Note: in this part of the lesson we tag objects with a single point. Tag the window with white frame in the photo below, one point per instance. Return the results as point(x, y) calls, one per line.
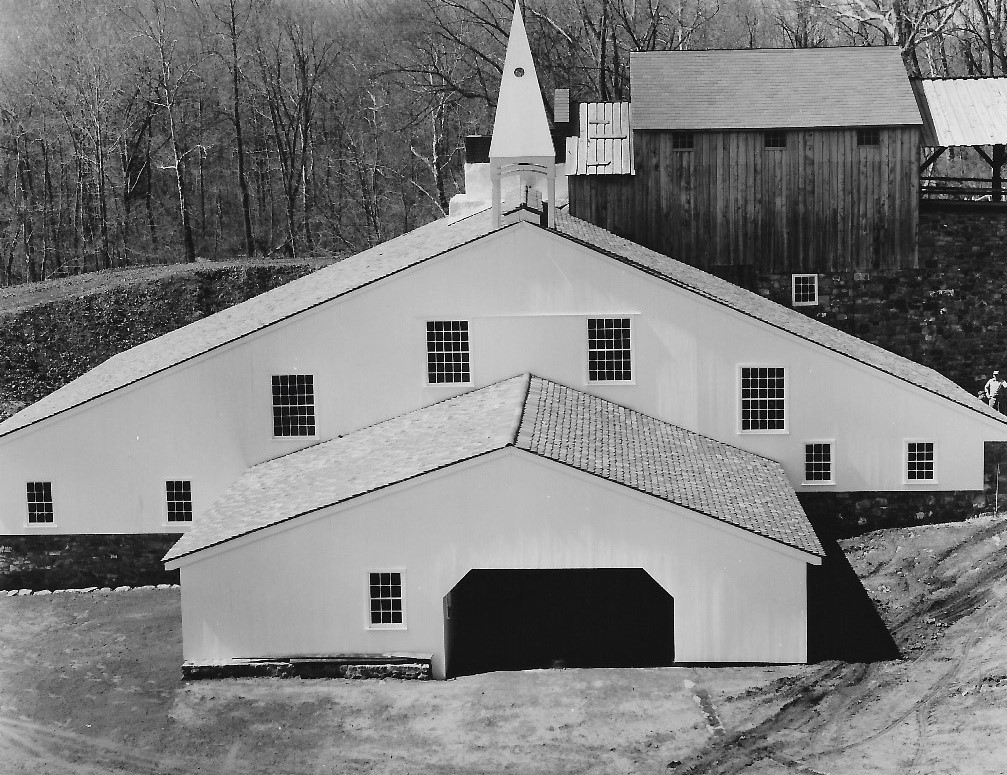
point(40, 503)
point(804, 290)
point(293, 405)
point(448, 351)
point(179, 500)
point(921, 461)
point(609, 350)
point(763, 398)
point(386, 608)
point(818, 462)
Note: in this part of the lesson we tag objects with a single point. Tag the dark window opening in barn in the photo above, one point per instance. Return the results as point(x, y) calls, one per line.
point(682, 141)
point(386, 609)
point(582, 617)
point(818, 462)
point(868, 137)
point(804, 290)
point(776, 139)
point(293, 405)
point(920, 461)
point(609, 353)
point(448, 351)
point(179, 492)
point(762, 398)
point(39, 503)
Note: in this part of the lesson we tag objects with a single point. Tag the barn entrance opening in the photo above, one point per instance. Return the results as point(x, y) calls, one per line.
point(524, 619)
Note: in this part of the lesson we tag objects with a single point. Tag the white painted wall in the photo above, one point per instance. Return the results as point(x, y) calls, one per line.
point(526, 293)
point(301, 588)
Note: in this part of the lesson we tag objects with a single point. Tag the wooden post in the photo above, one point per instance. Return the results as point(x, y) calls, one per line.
point(999, 157)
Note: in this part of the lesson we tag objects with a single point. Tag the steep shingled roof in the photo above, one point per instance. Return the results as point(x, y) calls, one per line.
point(529, 413)
point(433, 240)
point(771, 89)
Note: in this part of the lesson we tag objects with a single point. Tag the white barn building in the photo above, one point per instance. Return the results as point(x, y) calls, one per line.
point(495, 407)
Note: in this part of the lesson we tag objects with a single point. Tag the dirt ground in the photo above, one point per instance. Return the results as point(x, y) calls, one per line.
point(90, 684)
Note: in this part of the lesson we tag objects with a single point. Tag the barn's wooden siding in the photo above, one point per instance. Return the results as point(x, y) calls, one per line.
point(823, 203)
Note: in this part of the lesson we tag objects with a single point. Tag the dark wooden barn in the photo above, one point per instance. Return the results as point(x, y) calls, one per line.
point(777, 161)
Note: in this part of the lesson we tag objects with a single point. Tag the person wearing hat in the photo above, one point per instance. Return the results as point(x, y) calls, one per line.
point(995, 392)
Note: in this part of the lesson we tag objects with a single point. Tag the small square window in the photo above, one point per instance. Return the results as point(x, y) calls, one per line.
point(763, 402)
point(40, 503)
point(448, 352)
point(921, 461)
point(804, 290)
point(386, 609)
point(609, 351)
point(818, 462)
point(775, 139)
point(868, 137)
point(179, 495)
point(293, 405)
point(682, 141)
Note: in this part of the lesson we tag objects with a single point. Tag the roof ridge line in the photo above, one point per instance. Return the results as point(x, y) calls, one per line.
point(714, 298)
point(522, 431)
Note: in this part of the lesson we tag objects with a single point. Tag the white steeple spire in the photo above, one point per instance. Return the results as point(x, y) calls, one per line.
point(520, 127)
point(522, 143)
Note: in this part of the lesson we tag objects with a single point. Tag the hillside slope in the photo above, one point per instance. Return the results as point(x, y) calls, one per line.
point(941, 708)
point(52, 332)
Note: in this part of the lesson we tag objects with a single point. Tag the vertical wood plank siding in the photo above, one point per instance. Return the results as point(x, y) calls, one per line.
point(823, 203)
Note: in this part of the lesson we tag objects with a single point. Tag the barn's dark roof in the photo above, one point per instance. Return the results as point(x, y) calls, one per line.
point(529, 413)
point(771, 89)
point(427, 242)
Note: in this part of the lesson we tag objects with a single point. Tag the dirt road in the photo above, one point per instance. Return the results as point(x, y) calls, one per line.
point(90, 684)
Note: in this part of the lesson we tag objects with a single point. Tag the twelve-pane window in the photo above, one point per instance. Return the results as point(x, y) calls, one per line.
point(179, 500)
point(386, 598)
point(805, 289)
point(39, 502)
point(920, 461)
point(608, 349)
point(818, 462)
point(293, 405)
point(448, 351)
point(762, 398)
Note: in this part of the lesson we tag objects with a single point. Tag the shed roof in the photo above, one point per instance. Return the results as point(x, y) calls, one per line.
point(771, 89)
point(422, 244)
point(541, 417)
point(963, 111)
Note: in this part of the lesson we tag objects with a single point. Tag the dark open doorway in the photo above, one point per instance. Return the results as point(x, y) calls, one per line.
point(592, 617)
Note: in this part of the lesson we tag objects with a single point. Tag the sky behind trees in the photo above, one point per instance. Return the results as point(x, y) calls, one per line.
point(138, 131)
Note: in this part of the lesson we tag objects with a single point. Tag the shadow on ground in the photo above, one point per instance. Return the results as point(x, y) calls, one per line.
point(843, 622)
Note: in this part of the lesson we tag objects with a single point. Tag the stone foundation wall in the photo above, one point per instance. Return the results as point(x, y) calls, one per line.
point(949, 314)
point(81, 561)
point(846, 514)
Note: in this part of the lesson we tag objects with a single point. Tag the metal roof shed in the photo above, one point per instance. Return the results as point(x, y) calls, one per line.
point(961, 112)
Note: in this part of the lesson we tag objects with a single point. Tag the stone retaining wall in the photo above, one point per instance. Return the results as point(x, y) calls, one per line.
point(949, 314)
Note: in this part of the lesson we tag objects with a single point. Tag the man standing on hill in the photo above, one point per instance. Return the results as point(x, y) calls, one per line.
point(995, 392)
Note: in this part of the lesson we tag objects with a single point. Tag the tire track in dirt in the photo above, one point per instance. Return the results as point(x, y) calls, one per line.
point(76, 753)
point(964, 597)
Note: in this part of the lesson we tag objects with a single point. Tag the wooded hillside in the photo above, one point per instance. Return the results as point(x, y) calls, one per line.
point(144, 131)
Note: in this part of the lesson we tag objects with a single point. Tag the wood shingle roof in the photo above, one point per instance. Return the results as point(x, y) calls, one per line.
point(771, 89)
point(429, 241)
point(528, 413)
